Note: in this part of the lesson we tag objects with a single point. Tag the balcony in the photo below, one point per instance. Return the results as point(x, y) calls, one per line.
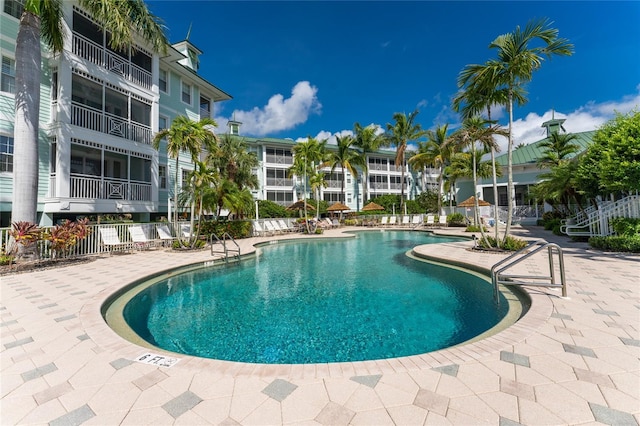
point(106, 188)
point(277, 159)
point(93, 119)
point(107, 59)
point(280, 182)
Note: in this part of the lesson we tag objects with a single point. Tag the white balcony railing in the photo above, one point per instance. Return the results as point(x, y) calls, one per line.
point(104, 188)
point(279, 182)
point(107, 59)
point(93, 119)
point(276, 159)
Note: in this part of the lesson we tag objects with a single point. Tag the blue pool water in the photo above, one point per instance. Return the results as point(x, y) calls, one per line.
point(317, 301)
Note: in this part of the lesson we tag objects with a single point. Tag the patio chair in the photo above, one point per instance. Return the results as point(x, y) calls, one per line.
point(258, 231)
point(335, 223)
point(406, 220)
point(384, 221)
point(416, 220)
point(442, 220)
point(284, 226)
point(392, 220)
point(111, 240)
point(329, 223)
point(270, 228)
point(139, 238)
point(431, 220)
point(164, 234)
point(185, 229)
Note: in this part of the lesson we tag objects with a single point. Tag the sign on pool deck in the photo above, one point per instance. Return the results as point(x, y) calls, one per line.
point(159, 360)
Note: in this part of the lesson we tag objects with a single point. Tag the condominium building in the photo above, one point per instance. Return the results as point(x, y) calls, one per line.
point(100, 110)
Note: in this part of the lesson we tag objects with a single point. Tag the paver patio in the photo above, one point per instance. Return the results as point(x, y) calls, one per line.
point(567, 361)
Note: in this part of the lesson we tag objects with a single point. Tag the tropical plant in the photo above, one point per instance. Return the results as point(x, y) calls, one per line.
point(368, 139)
point(308, 156)
point(345, 157)
point(558, 186)
point(403, 131)
point(435, 152)
point(42, 20)
point(64, 237)
point(558, 147)
point(476, 130)
point(189, 136)
point(25, 235)
point(235, 162)
point(516, 61)
point(611, 164)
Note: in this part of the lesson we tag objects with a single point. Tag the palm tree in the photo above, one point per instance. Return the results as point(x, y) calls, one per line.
point(476, 130)
point(345, 157)
point(189, 136)
point(306, 157)
point(436, 152)
point(235, 162)
point(401, 132)
point(479, 92)
point(557, 148)
point(368, 140)
point(42, 20)
point(558, 186)
point(514, 67)
point(201, 180)
point(317, 181)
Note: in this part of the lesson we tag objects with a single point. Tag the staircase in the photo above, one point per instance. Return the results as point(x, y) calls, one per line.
point(595, 221)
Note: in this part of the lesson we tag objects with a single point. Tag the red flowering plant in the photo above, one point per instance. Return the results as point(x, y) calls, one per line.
point(63, 238)
point(25, 235)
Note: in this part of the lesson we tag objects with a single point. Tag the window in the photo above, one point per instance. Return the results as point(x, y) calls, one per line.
point(205, 109)
point(163, 82)
point(162, 177)
point(186, 93)
point(185, 177)
point(8, 76)
point(14, 8)
point(54, 86)
point(6, 153)
point(162, 122)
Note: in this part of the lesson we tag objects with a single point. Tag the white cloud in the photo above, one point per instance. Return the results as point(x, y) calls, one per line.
point(279, 113)
point(588, 117)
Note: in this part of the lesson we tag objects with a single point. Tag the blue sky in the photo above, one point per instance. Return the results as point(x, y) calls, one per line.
point(314, 68)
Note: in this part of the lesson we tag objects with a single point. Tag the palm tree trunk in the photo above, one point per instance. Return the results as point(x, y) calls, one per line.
point(509, 168)
point(440, 189)
point(27, 106)
point(494, 176)
point(175, 198)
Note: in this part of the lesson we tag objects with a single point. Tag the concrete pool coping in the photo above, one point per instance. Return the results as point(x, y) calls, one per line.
point(574, 361)
point(117, 296)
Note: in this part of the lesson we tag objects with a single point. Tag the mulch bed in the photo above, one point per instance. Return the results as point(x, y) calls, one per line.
point(43, 265)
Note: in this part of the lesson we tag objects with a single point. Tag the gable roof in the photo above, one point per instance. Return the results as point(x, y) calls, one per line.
point(529, 154)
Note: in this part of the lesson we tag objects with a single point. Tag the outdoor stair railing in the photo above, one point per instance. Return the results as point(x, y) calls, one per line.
point(499, 270)
point(596, 221)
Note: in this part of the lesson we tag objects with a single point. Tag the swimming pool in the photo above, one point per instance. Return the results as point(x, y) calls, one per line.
point(317, 301)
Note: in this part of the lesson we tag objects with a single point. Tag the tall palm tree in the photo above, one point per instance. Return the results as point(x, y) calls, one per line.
point(514, 67)
point(42, 20)
point(345, 157)
point(401, 132)
point(368, 140)
point(436, 152)
point(480, 92)
point(476, 130)
point(186, 135)
point(307, 156)
point(557, 148)
point(235, 162)
point(317, 181)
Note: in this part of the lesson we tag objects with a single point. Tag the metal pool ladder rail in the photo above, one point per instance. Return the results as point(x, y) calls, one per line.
point(216, 242)
point(498, 275)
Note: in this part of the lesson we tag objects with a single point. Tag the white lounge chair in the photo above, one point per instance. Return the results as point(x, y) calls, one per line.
point(329, 223)
point(335, 223)
point(277, 227)
point(406, 220)
point(392, 220)
point(442, 220)
point(139, 238)
point(284, 226)
point(111, 240)
point(416, 220)
point(270, 228)
point(384, 221)
point(165, 234)
point(431, 220)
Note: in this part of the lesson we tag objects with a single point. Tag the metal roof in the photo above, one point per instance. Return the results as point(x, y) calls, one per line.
point(529, 154)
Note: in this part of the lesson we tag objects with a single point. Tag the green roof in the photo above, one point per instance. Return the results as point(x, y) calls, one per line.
point(529, 154)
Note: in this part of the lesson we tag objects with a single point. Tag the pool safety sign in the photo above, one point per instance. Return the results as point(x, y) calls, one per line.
point(159, 360)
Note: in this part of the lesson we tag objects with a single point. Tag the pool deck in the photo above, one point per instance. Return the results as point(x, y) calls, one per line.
point(567, 361)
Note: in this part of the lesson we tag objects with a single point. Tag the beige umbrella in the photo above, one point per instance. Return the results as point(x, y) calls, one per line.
point(299, 205)
point(470, 202)
point(338, 207)
point(372, 207)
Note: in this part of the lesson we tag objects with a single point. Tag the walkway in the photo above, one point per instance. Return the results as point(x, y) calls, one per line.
point(568, 361)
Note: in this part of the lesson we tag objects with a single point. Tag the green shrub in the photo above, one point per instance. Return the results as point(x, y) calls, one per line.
point(509, 244)
point(550, 224)
point(625, 226)
point(456, 219)
point(236, 228)
point(474, 228)
point(628, 244)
